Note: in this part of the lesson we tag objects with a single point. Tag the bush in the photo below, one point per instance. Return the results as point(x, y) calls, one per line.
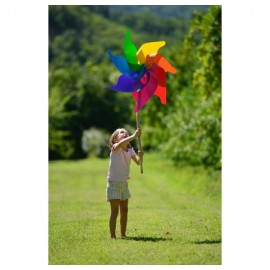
point(95, 142)
point(193, 134)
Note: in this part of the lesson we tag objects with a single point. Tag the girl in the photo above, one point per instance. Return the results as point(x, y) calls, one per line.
point(118, 174)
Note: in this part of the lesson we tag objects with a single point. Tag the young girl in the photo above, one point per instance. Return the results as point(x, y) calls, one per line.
point(118, 174)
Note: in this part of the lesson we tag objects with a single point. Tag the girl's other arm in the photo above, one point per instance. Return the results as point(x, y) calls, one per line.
point(138, 159)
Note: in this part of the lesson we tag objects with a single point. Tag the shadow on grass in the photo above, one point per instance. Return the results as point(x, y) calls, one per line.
point(146, 239)
point(207, 242)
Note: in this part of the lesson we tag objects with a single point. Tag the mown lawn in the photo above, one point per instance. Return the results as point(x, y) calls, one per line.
point(174, 215)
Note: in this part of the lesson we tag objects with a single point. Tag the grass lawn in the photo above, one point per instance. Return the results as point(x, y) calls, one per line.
point(174, 215)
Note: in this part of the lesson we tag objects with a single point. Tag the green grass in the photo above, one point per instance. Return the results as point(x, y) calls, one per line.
point(174, 215)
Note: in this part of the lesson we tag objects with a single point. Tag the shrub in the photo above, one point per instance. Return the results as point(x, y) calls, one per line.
point(95, 142)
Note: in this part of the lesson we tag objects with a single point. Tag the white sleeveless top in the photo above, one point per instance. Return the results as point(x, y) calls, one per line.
point(120, 165)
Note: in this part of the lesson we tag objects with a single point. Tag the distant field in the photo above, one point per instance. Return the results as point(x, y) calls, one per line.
point(174, 215)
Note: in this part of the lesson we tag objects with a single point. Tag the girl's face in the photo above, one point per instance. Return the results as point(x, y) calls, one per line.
point(122, 134)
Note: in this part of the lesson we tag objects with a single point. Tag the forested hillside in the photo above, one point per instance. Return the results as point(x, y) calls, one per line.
point(82, 109)
point(183, 11)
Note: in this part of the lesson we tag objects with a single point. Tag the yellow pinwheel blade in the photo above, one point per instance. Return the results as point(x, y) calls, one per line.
point(148, 49)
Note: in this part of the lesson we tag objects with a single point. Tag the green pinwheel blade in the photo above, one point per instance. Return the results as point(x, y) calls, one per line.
point(130, 49)
point(130, 52)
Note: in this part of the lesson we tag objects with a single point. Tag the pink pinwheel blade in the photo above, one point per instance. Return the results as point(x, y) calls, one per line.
point(141, 97)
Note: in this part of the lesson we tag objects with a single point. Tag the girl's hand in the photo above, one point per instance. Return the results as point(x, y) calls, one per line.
point(137, 133)
point(140, 153)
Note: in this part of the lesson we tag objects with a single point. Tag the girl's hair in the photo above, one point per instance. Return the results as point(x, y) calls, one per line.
point(114, 135)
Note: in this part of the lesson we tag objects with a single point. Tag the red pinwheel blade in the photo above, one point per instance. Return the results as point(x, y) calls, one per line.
point(161, 93)
point(161, 87)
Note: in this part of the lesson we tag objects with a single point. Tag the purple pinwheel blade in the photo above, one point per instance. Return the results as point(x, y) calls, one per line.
point(126, 84)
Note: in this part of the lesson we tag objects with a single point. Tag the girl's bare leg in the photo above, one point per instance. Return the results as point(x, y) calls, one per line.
point(113, 217)
point(123, 217)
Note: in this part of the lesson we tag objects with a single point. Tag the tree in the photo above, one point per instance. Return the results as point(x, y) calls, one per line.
point(188, 129)
point(194, 124)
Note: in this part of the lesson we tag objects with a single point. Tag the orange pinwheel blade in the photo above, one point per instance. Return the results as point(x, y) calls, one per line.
point(161, 62)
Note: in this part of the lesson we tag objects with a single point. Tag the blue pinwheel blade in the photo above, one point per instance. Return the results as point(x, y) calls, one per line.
point(120, 62)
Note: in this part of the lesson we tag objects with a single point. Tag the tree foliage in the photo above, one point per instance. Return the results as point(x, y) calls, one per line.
point(198, 115)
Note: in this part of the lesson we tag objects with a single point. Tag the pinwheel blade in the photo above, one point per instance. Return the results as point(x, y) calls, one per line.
point(161, 86)
point(141, 97)
point(120, 63)
point(161, 62)
point(130, 50)
point(126, 84)
point(148, 49)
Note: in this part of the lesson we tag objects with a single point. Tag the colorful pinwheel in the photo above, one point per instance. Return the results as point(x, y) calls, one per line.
point(143, 74)
point(143, 71)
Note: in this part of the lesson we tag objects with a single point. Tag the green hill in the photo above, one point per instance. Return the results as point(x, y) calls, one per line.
point(179, 11)
point(82, 33)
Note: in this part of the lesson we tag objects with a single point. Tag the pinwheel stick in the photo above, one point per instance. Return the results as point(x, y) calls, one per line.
point(139, 139)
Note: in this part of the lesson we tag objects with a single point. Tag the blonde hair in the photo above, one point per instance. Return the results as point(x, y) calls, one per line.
point(114, 135)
